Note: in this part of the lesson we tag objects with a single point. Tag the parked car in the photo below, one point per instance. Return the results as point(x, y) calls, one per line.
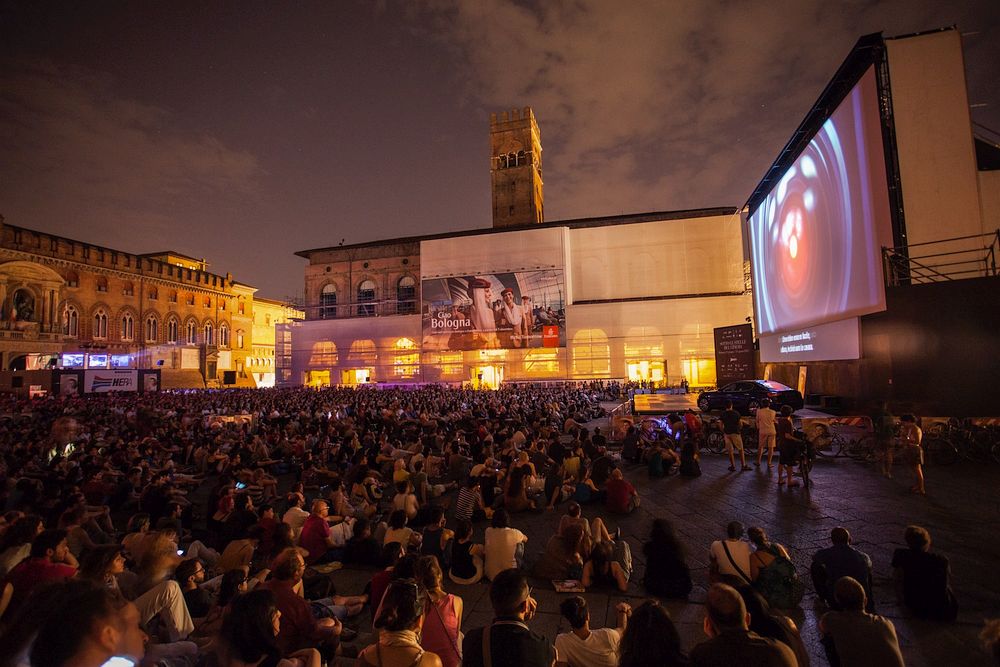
point(747, 395)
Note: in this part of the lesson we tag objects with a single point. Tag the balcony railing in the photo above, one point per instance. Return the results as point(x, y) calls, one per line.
point(957, 258)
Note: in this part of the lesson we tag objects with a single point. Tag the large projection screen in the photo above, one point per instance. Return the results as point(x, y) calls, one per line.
point(816, 238)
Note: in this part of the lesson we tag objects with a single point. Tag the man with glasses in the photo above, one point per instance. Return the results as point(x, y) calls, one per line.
point(190, 575)
point(508, 641)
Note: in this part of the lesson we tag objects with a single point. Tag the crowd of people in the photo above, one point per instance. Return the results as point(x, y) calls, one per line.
point(201, 528)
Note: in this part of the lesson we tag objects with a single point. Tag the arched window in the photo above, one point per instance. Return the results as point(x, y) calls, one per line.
point(153, 294)
point(223, 335)
point(102, 284)
point(72, 279)
point(267, 319)
point(239, 339)
point(366, 298)
point(209, 334)
point(328, 302)
point(152, 329)
point(522, 158)
point(100, 324)
point(128, 289)
point(406, 295)
point(71, 322)
point(207, 303)
point(242, 307)
point(192, 329)
point(172, 330)
point(128, 327)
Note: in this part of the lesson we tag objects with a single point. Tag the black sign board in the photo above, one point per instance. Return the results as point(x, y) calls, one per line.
point(734, 357)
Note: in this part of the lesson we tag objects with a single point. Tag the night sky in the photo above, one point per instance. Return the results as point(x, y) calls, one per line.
point(244, 131)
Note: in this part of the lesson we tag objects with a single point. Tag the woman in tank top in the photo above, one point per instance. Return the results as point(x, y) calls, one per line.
point(442, 615)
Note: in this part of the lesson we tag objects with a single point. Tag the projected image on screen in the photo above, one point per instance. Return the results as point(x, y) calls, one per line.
point(816, 238)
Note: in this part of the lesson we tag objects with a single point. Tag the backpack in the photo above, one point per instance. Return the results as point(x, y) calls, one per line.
point(779, 583)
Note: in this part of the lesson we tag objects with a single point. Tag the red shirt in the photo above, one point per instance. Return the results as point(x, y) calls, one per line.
point(33, 572)
point(313, 539)
point(299, 628)
point(619, 493)
point(377, 588)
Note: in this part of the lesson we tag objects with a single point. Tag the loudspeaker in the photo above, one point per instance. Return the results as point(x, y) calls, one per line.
point(228, 377)
point(16, 382)
point(159, 362)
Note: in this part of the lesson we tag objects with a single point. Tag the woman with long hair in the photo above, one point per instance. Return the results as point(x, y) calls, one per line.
point(15, 545)
point(442, 616)
point(564, 555)
point(667, 573)
point(768, 623)
point(772, 571)
point(515, 497)
point(399, 621)
point(249, 635)
point(103, 564)
point(651, 639)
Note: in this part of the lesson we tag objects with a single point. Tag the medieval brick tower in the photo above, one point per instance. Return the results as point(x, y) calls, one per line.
point(516, 168)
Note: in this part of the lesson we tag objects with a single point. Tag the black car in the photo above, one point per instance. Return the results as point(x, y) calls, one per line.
point(747, 396)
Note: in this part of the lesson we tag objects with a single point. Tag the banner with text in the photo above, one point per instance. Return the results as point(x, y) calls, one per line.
point(101, 382)
point(523, 309)
point(734, 358)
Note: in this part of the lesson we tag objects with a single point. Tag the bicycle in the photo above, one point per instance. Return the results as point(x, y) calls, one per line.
point(714, 439)
point(826, 442)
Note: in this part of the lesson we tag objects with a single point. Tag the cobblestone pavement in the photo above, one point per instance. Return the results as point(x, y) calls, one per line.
point(960, 511)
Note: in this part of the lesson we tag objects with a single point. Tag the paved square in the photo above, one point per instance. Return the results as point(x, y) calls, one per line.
point(960, 511)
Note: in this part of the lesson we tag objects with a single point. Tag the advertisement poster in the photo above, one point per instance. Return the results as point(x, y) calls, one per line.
point(69, 384)
point(150, 381)
point(100, 382)
point(494, 311)
point(734, 357)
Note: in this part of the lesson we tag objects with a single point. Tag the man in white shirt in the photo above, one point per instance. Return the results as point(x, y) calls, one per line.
point(765, 432)
point(583, 647)
point(295, 516)
point(501, 545)
point(731, 557)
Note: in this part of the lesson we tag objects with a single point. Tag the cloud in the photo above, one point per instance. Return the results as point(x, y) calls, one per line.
point(651, 105)
point(114, 163)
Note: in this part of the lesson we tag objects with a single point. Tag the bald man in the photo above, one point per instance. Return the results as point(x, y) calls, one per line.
point(727, 624)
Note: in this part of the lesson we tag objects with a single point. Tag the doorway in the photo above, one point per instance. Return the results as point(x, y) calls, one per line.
point(356, 376)
point(645, 371)
point(487, 377)
point(316, 379)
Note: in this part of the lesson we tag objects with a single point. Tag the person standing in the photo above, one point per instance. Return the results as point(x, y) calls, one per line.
point(884, 426)
point(731, 433)
point(789, 447)
point(766, 432)
point(912, 437)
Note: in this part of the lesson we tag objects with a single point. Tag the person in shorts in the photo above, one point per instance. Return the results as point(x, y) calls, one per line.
point(765, 432)
point(731, 432)
point(789, 447)
point(912, 436)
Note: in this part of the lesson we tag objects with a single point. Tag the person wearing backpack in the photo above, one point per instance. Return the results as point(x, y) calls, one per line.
point(773, 573)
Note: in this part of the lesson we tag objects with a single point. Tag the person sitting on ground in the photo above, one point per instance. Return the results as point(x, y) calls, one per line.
point(248, 636)
point(923, 579)
point(515, 497)
point(622, 497)
point(295, 516)
point(502, 545)
point(729, 559)
point(508, 641)
point(610, 564)
point(651, 639)
point(767, 622)
point(470, 504)
point(406, 500)
point(593, 530)
point(238, 554)
point(391, 554)
point(299, 628)
point(730, 640)
point(190, 574)
point(79, 622)
point(399, 620)
point(841, 560)
point(852, 636)
point(564, 555)
point(667, 573)
point(466, 557)
point(48, 560)
point(772, 572)
point(363, 547)
point(399, 532)
point(586, 647)
point(441, 631)
point(436, 538)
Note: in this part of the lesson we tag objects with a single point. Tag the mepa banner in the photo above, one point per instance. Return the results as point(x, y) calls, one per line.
point(100, 382)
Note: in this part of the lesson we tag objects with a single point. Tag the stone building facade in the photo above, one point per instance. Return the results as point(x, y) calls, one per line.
point(165, 310)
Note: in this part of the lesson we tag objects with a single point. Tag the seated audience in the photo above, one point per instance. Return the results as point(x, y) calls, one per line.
point(852, 636)
point(923, 579)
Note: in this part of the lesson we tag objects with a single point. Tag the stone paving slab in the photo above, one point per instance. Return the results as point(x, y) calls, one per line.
point(960, 513)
